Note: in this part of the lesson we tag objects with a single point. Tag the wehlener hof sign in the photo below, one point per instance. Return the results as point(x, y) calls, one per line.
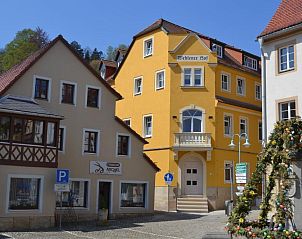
point(196, 58)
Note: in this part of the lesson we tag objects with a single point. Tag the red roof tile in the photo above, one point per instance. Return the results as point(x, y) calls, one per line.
point(289, 13)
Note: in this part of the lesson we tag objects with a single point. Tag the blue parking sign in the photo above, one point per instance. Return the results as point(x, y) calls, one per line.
point(62, 176)
point(168, 178)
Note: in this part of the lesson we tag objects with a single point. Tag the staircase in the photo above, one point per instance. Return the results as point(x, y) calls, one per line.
point(192, 203)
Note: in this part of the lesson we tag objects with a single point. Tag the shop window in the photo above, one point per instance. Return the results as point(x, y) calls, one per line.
point(133, 195)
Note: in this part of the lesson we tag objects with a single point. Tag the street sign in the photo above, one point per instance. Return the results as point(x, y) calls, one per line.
point(62, 176)
point(60, 187)
point(168, 178)
point(241, 172)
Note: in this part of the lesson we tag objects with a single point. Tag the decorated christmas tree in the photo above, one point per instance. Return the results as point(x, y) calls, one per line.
point(275, 220)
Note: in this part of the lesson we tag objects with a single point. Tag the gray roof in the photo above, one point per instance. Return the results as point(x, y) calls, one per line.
point(24, 106)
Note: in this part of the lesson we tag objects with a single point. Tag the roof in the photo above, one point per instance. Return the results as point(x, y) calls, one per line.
point(151, 162)
point(109, 63)
point(121, 122)
point(120, 51)
point(238, 103)
point(25, 106)
point(8, 78)
point(288, 14)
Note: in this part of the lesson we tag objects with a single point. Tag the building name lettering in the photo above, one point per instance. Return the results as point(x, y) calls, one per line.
point(198, 58)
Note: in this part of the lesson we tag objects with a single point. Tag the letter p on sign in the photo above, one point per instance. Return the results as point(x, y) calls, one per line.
point(62, 176)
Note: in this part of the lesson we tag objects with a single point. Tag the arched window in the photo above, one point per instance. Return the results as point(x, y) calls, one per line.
point(192, 121)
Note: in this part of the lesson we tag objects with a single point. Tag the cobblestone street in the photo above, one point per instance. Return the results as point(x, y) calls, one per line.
point(164, 225)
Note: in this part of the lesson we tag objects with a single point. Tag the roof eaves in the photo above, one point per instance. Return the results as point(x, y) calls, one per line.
point(151, 162)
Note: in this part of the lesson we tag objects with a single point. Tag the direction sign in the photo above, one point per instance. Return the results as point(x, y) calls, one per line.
point(241, 172)
point(168, 178)
point(62, 176)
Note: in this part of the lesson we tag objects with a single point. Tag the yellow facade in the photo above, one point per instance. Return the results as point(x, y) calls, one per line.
point(166, 106)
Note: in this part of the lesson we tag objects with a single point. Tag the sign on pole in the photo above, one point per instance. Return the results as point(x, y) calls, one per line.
point(60, 187)
point(168, 178)
point(241, 172)
point(62, 176)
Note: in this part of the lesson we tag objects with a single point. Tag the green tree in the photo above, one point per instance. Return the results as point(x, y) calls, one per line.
point(78, 48)
point(96, 55)
point(87, 55)
point(25, 43)
point(111, 51)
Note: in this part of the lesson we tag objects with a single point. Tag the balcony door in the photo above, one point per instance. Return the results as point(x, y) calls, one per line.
point(192, 121)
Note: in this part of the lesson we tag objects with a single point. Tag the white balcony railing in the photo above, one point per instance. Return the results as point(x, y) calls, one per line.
point(192, 140)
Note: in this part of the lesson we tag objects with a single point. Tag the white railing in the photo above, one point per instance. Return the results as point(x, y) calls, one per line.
point(192, 140)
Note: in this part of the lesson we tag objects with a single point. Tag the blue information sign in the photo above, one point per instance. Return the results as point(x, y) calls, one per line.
point(62, 176)
point(168, 178)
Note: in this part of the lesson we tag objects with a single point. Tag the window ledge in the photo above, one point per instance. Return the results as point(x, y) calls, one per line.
point(147, 136)
point(146, 56)
point(136, 94)
point(161, 88)
point(286, 71)
point(192, 87)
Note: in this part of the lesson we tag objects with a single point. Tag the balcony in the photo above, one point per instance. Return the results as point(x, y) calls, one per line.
point(28, 155)
point(192, 141)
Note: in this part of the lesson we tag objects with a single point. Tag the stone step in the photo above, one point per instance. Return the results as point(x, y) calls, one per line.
point(192, 207)
point(192, 199)
point(192, 202)
point(204, 210)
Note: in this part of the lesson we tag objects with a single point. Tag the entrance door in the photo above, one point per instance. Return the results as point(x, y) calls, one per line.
point(104, 195)
point(193, 178)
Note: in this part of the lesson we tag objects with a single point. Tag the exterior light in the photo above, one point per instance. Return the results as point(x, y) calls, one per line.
point(232, 145)
point(247, 143)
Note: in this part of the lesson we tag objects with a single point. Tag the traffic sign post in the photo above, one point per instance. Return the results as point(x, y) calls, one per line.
point(168, 178)
point(241, 176)
point(62, 185)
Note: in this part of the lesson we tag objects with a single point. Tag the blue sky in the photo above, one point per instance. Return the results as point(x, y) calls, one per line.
point(99, 23)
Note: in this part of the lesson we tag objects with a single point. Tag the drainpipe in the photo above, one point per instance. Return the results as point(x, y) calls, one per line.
point(264, 109)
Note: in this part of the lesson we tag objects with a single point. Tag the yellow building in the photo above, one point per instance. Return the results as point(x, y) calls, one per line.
point(187, 94)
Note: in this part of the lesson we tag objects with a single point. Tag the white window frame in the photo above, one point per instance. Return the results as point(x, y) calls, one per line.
point(246, 124)
point(288, 109)
point(287, 58)
point(49, 86)
point(41, 177)
point(97, 145)
point(260, 140)
point(103, 71)
point(244, 86)
point(229, 81)
point(145, 44)
point(192, 76)
point(64, 139)
point(127, 119)
point(88, 193)
point(75, 92)
point(144, 128)
point(231, 126)
point(215, 48)
point(134, 88)
point(99, 99)
point(146, 194)
point(258, 85)
point(129, 146)
point(250, 62)
point(231, 169)
point(157, 87)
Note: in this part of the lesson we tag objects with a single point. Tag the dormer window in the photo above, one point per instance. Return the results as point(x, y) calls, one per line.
point(103, 71)
point(250, 62)
point(218, 49)
point(119, 60)
point(148, 47)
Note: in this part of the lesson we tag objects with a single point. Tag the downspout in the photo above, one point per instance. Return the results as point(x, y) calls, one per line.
point(264, 109)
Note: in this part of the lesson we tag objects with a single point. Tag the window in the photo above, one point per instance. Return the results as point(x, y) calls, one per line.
point(103, 71)
point(193, 77)
point(147, 126)
point(77, 197)
point(218, 49)
point(28, 131)
point(123, 145)
point(192, 121)
point(138, 85)
point(127, 122)
point(93, 97)
point(24, 193)
point(243, 125)
point(4, 127)
point(260, 130)
point(160, 80)
point(240, 86)
point(90, 141)
point(42, 87)
point(228, 171)
point(51, 131)
point(258, 93)
point(61, 139)
point(287, 110)
point(250, 62)
point(228, 125)
point(286, 58)
point(225, 82)
point(148, 47)
point(68, 93)
point(133, 194)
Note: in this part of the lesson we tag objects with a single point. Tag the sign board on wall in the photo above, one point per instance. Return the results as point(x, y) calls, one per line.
point(193, 58)
point(102, 167)
point(60, 187)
